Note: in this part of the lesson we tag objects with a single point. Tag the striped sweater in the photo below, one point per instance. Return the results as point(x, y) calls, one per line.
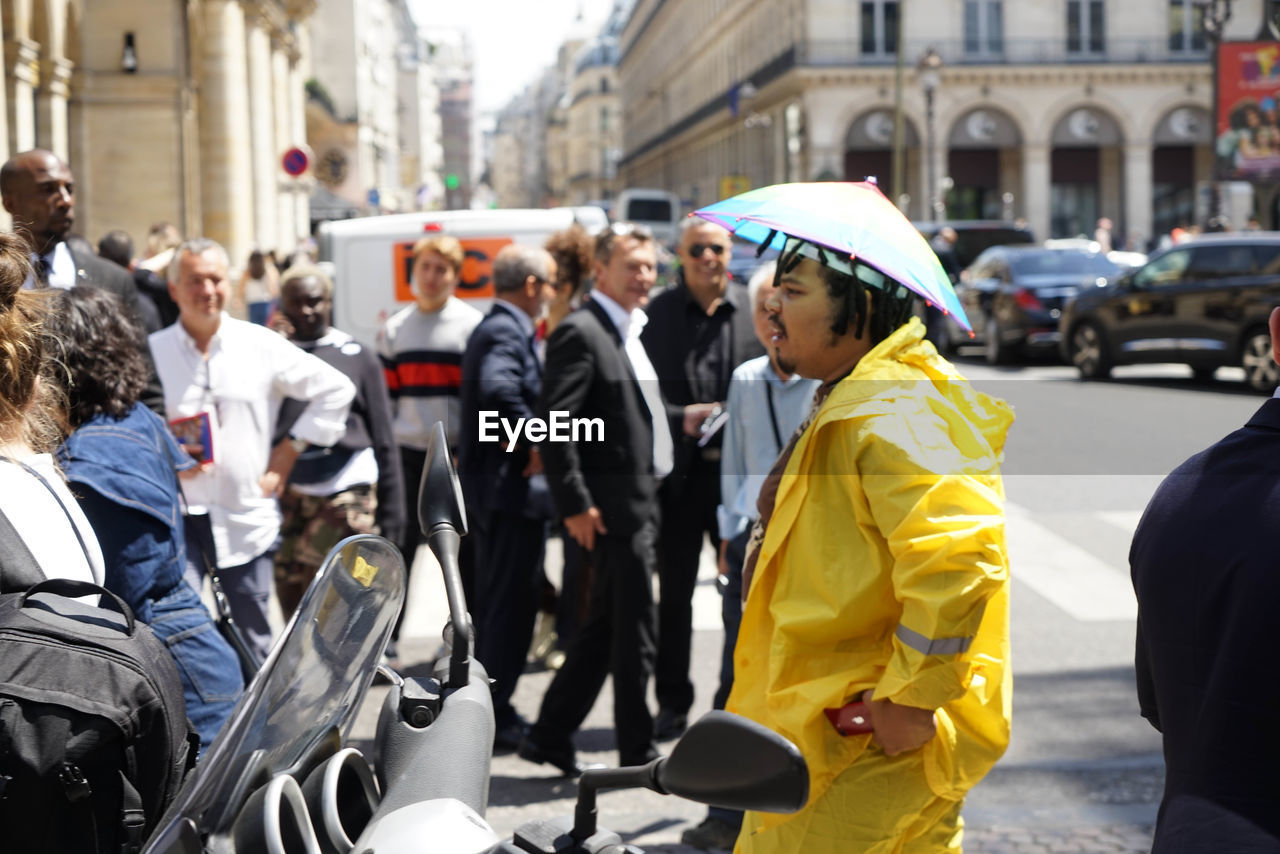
point(421, 357)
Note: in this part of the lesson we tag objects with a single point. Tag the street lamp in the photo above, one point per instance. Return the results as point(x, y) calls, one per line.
point(1214, 15)
point(930, 70)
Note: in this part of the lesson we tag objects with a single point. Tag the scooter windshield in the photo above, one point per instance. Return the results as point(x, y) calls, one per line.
point(301, 705)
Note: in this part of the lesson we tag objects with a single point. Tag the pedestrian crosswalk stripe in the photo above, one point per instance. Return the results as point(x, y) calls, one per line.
point(1126, 520)
point(1073, 579)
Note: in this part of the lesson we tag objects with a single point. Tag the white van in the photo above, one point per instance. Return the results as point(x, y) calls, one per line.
point(656, 209)
point(370, 259)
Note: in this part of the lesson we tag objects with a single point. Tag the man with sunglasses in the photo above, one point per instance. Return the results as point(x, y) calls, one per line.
point(698, 332)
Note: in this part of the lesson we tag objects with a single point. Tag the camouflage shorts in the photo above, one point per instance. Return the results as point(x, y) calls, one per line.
point(312, 525)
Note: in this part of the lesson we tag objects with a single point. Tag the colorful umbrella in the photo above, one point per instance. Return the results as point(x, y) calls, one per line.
point(852, 218)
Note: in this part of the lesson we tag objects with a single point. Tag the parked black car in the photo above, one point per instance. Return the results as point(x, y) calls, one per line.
point(1013, 296)
point(1203, 303)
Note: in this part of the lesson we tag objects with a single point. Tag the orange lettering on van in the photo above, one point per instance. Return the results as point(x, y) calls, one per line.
point(476, 280)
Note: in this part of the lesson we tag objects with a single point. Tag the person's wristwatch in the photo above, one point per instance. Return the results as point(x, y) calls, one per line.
point(299, 445)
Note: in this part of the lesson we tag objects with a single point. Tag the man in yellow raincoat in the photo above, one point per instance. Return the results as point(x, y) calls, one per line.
point(879, 573)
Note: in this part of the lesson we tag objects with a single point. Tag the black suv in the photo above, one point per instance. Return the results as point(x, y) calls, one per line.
point(1204, 303)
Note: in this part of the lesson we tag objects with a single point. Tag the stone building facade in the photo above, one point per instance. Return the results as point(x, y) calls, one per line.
point(174, 112)
point(594, 116)
point(1058, 112)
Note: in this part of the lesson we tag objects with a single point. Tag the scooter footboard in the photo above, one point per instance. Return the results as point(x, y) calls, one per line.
point(447, 757)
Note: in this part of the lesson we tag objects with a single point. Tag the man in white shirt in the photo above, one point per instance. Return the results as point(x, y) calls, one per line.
point(228, 377)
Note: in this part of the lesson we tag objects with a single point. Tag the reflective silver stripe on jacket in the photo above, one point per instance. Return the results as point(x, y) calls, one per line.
point(932, 646)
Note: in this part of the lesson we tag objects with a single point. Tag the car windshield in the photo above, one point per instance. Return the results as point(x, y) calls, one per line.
point(1060, 262)
point(649, 210)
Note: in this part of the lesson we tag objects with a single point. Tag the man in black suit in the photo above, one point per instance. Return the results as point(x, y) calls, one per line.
point(502, 483)
point(604, 483)
point(1204, 565)
point(38, 191)
point(698, 332)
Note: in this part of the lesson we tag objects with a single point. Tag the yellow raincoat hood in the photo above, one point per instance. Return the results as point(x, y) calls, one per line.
point(884, 567)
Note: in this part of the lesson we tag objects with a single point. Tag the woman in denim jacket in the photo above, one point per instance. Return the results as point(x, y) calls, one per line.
point(121, 461)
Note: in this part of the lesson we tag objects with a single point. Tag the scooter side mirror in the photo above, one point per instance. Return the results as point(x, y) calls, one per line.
point(729, 761)
point(723, 760)
point(443, 519)
point(440, 491)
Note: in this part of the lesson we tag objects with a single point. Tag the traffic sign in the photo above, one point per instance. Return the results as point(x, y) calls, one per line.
point(296, 161)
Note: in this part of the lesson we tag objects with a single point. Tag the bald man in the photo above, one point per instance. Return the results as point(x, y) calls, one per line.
point(502, 481)
point(38, 191)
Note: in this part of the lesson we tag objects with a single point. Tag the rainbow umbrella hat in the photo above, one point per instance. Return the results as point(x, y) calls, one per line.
point(850, 218)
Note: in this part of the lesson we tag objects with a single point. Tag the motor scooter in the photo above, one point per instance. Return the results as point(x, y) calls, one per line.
point(280, 777)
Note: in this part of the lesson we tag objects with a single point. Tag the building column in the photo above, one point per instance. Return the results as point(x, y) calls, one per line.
point(264, 150)
point(286, 187)
point(51, 106)
point(22, 76)
point(296, 90)
point(1138, 191)
point(1113, 202)
point(226, 165)
point(1036, 175)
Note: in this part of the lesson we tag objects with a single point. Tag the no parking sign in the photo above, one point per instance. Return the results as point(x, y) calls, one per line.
point(296, 161)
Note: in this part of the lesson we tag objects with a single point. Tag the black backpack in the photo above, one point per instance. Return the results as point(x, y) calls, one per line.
point(94, 737)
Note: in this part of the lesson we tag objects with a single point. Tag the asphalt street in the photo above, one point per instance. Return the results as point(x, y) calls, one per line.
point(1083, 772)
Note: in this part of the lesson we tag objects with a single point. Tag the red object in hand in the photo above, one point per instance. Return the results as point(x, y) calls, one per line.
point(850, 719)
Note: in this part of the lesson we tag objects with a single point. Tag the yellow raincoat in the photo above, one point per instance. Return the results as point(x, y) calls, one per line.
point(883, 566)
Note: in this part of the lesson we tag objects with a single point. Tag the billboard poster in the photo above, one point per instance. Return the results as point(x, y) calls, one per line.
point(1247, 143)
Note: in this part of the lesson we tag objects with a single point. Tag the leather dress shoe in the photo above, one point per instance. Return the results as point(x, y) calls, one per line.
point(508, 738)
point(643, 759)
point(712, 835)
point(562, 760)
point(669, 725)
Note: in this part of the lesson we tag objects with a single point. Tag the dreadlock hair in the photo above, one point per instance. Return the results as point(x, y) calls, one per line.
point(891, 302)
point(891, 305)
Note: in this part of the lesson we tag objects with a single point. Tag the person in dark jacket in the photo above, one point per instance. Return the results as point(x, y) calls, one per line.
point(38, 190)
point(155, 305)
point(122, 465)
point(1203, 562)
point(603, 483)
point(502, 482)
point(334, 493)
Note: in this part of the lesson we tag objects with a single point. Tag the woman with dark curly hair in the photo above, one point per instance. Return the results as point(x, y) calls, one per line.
point(122, 463)
point(572, 250)
point(35, 504)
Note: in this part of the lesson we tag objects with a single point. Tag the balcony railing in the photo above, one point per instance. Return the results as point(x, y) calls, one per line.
point(1009, 52)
